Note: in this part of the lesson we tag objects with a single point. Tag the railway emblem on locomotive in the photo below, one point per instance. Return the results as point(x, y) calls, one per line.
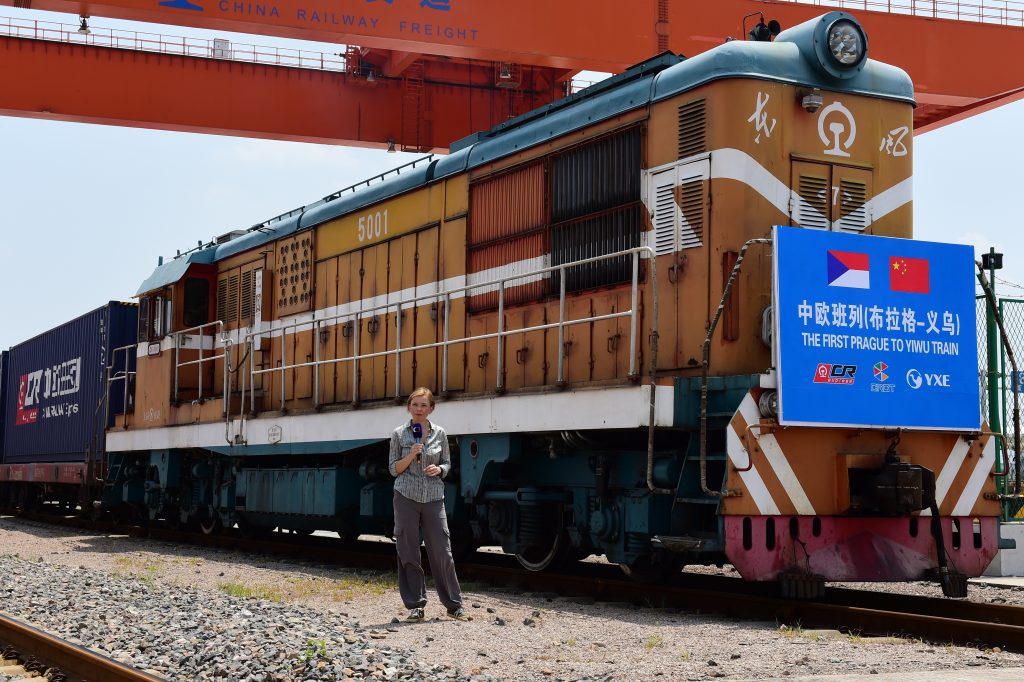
point(842, 129)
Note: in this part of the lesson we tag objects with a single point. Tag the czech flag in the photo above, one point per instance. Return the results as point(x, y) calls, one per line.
point(908, 274)
point(848, 269)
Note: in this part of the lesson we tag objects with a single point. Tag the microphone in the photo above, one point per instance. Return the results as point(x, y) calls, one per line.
point(417, 433)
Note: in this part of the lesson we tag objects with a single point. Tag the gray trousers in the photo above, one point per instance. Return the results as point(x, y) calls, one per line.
point(411, 518)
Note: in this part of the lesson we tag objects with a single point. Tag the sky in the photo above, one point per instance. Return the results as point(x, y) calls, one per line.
point(86, 210)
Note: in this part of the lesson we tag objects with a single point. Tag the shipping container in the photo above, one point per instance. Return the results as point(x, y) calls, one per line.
point(3, 400)
point(56, 383)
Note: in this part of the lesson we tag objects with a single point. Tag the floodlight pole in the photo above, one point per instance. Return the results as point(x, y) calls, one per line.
point(994, 412)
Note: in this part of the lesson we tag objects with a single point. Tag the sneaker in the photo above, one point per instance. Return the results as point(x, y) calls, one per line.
point(415, 616)
point(459, 614)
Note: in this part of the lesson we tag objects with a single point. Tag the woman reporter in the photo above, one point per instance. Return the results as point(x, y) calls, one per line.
point(419, 460)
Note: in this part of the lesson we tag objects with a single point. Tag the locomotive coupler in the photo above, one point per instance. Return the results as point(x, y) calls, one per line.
point(895, 489)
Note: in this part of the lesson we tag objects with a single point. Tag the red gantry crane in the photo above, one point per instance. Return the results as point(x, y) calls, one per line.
point(427, 72)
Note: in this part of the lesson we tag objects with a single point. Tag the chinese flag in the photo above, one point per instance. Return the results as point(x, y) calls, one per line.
point(908, 274)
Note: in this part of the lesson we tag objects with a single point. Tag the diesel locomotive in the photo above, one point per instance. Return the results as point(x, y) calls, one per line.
point(588, 287)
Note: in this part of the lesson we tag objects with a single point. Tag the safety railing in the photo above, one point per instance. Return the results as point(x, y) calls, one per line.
point(214, 48)
point(1004, 12)
point(354, 318)
point(201, 333)
point(125, 375)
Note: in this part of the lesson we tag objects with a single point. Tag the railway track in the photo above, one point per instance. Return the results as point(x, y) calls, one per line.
point(934, 619)
point(31, 652)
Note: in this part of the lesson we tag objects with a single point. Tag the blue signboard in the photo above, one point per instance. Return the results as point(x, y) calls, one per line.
point(875, 331)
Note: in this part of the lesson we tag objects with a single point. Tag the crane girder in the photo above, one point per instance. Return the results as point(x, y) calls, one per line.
point(68, 81)
point(959, 68)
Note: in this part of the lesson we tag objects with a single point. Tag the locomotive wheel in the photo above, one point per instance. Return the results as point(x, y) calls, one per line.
point(210, 525)
point(558, 554)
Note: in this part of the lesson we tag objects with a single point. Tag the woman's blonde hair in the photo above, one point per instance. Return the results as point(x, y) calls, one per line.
point(424, 391)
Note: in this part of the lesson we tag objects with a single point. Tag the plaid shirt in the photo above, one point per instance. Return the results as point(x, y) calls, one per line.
point(413, 483)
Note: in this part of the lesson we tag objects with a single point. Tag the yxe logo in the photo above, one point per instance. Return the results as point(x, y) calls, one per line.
point(917, 379)
point(835, 374)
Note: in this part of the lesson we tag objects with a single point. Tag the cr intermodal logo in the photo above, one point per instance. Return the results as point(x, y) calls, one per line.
point(835, 374)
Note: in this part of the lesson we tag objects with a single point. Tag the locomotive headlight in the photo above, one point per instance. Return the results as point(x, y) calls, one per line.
point(846, 42)
point(834, 44)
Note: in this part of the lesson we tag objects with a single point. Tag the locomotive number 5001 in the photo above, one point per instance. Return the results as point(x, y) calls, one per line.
point(373, 225)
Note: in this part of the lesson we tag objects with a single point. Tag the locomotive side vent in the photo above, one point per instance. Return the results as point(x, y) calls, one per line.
point(691, 203)
point(664, 213)
point(222, 298)
point(812, 211)
point(232, 310)
point(692, 128)
point(247, 295)
point(852, 206)
point(677, 196)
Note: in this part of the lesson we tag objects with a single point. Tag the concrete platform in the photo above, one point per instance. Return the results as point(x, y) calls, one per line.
point(999, 581)
point(969, 675)
point(1009, 562)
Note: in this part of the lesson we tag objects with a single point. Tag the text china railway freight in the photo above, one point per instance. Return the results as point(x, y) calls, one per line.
point(360, 22)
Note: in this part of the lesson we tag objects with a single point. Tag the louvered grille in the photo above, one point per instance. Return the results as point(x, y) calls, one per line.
point(665, 220)
point(246, 295)
point(852, 205)
point(812, 210)
point(222, 299)
point(231, 311)
point(507, 205)
point(691, 204)
point(597, 176)
point(614, 231)
point(692, 128)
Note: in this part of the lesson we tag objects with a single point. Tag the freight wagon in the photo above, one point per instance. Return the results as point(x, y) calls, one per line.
point(55, 413)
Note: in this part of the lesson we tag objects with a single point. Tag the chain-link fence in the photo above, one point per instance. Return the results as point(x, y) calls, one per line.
point(998, 384)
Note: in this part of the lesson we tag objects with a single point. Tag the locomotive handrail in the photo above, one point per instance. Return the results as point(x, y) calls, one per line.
point(124, 375)
point(199, 330)
point(446, 296)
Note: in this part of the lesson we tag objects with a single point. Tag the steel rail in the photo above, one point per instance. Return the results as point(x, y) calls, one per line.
point(76, 662)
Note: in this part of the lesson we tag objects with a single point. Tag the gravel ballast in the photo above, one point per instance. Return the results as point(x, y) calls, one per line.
point(198, 614)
